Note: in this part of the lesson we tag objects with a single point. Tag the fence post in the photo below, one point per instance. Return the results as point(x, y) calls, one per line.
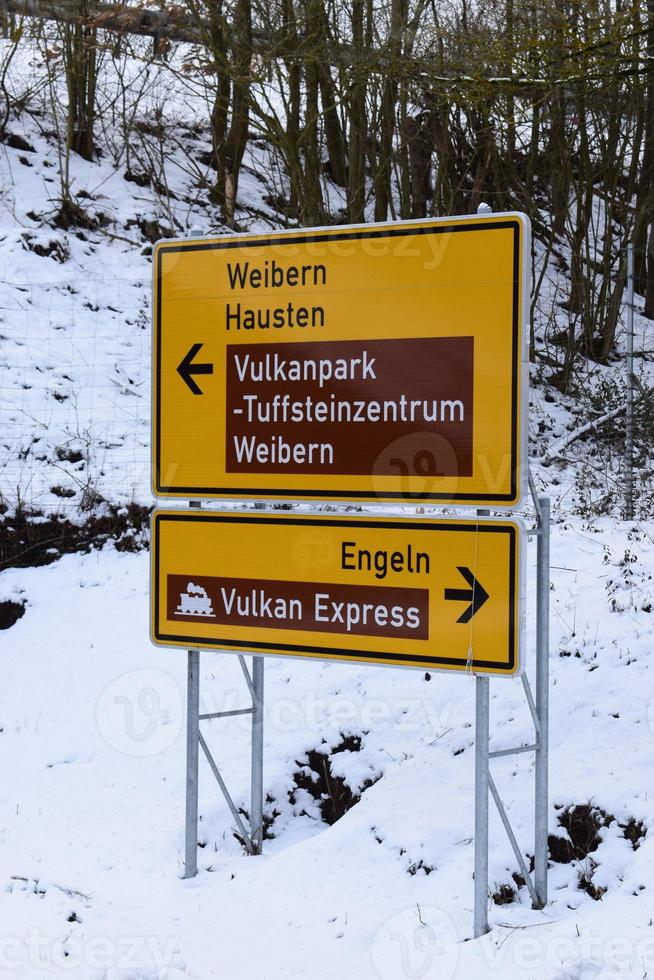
point(629, 428)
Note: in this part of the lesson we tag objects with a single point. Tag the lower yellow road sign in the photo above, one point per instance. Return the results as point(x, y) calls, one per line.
point(436, 594)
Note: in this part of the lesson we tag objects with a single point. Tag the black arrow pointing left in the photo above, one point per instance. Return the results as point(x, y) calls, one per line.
point(187, 369)
point(476, 595)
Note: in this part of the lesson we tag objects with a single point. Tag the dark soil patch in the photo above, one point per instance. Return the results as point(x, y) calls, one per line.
point(140, 179)
point(583, 824)
point(18, 142)
point(413, 869)
point(315, 775)
point(634, 831)
point(54, 249)
point(270, 814)
point(10, 613)
point(72, 215)
point(269, 817)
point(504, 895)
point(152, 231)
point(69, 455)
point(586, 884)
point(63, 492)
point(26, 543)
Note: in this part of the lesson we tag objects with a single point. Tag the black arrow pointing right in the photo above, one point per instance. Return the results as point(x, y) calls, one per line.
point(187, 369)
point(476, 595)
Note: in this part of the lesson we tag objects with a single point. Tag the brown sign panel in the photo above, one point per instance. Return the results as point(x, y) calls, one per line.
point(353, 610)
point(306, 406)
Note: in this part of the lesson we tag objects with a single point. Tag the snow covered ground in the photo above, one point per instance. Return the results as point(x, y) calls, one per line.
point(92, 795)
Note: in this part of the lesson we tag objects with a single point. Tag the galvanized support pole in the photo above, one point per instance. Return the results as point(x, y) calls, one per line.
point(629, 427)
point(256, 760)
point(542, 702)
point(192, 739)
point(192, 754)
point(256, 804)
point(482, 733)
point(482, 772)
point(482, 737)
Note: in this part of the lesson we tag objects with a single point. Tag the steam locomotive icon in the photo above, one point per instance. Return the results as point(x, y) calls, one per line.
point(195, 602)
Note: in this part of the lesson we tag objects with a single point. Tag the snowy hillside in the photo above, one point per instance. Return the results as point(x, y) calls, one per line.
point(75, 301)
point(374, 880)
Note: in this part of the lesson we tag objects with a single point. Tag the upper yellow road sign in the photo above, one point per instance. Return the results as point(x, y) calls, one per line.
point(378, 362)
point(436, 594)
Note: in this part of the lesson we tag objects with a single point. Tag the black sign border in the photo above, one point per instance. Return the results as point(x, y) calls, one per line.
point(184, 491)
point(331, 653)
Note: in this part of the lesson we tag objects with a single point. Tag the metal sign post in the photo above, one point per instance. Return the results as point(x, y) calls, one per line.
point(192, 753)
point(250, 836)
point(253, 839)
point(482, 734)
point(539, 709)
point(542, 699)
point(256, 804)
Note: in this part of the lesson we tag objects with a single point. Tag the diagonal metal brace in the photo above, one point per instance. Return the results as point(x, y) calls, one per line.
point(532, 704)
point(534, 497)
point(514, 750)
point(514, 844)
point(226, 714)
point(230, 803)
point(247, 675)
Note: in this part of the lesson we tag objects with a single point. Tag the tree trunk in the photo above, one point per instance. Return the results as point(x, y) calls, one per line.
point(319, 31)
point(643, 268)
point(382, 183)
point(80, 66)
point(230, 152)
point(356, 185)
point(313, 204)
point(294, 101)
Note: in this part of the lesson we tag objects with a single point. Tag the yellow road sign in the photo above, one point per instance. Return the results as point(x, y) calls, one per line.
point(436, 594)
point(378, 362)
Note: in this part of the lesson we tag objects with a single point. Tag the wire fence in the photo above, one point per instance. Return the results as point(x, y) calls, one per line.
point(74, 393)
